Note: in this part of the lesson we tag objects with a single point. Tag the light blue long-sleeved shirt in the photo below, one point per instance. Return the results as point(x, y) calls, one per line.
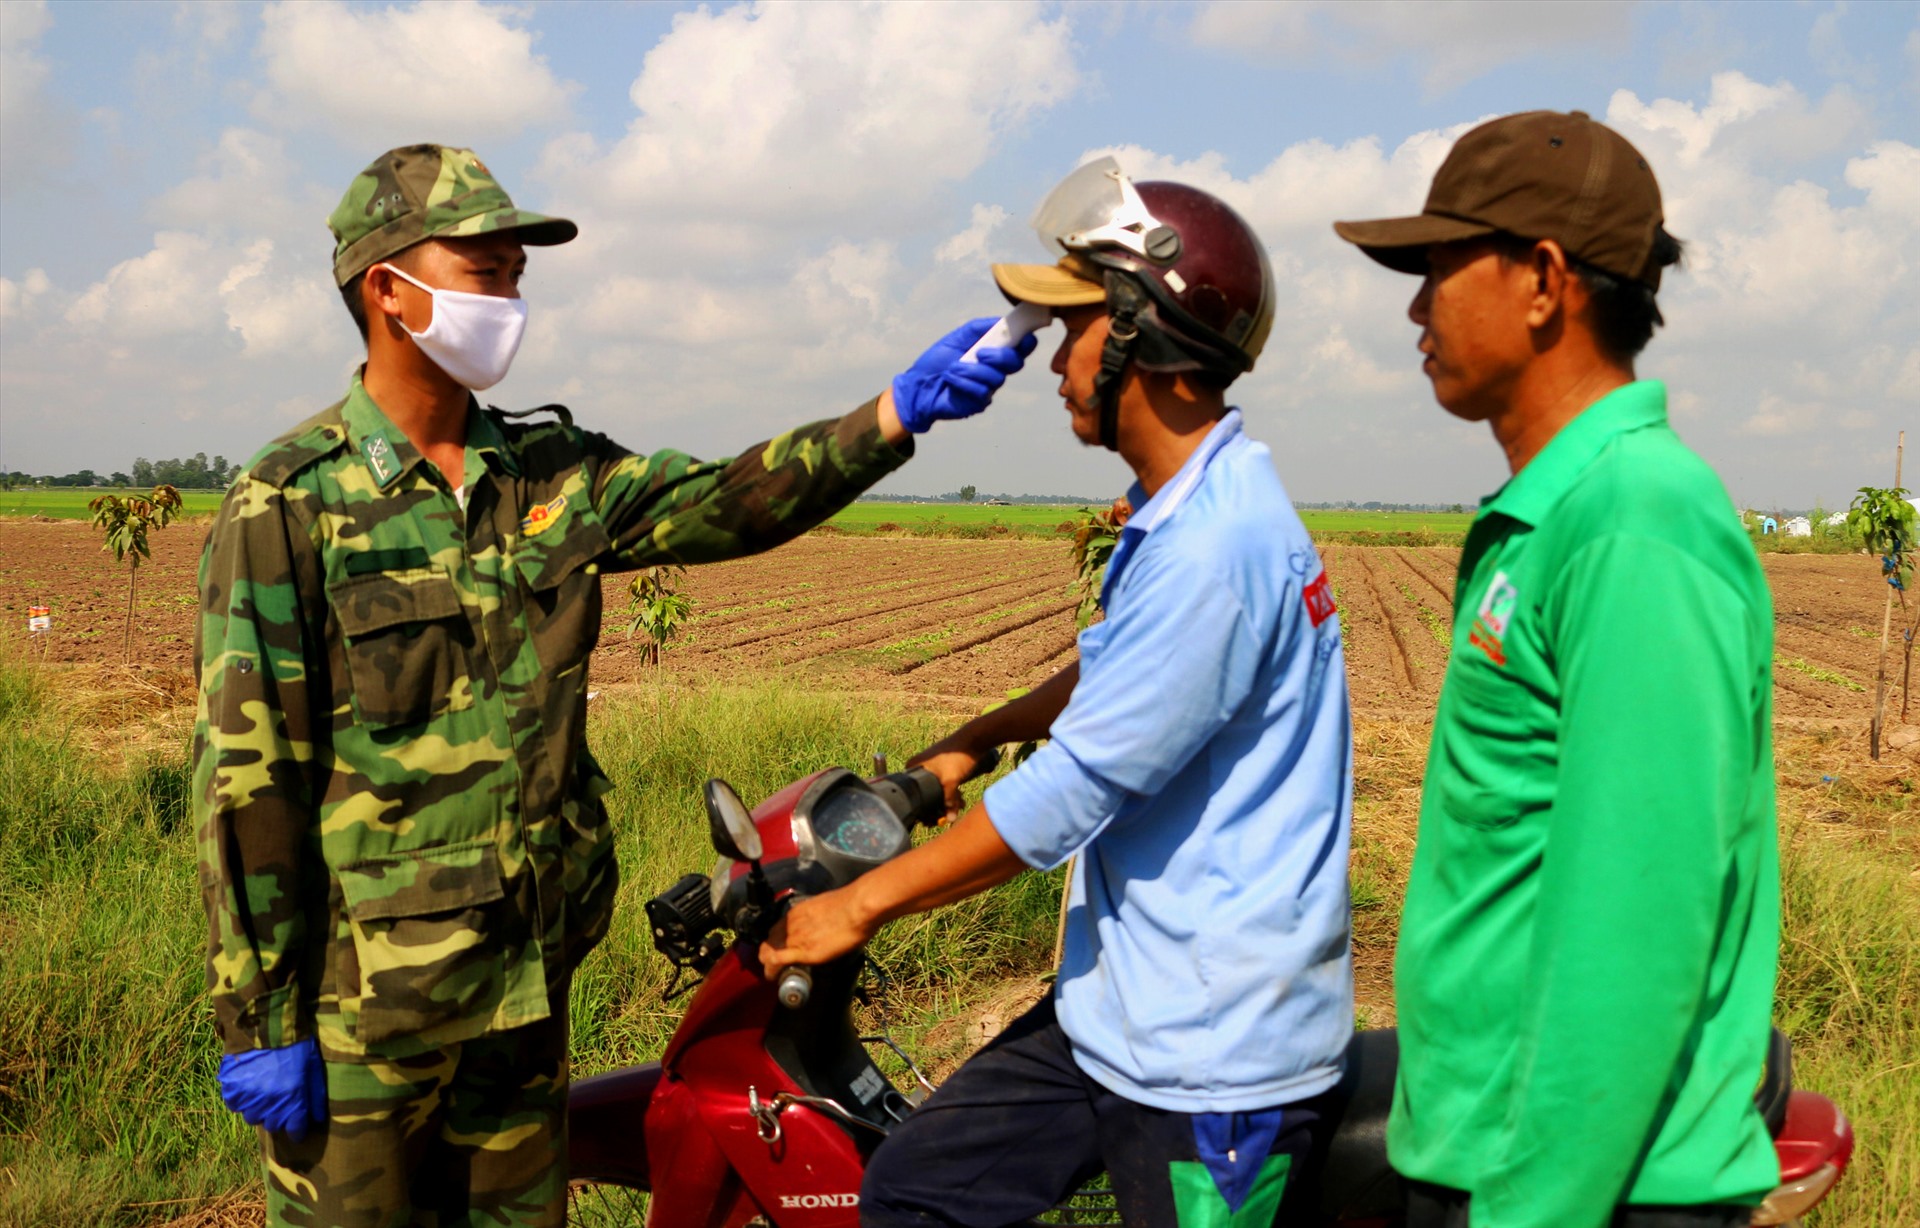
point(1203, 771)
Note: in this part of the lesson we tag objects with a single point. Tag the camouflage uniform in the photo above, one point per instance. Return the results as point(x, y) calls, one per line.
point(403, 851)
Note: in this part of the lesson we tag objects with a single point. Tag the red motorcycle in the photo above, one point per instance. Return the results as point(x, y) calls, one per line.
point(766, 1104)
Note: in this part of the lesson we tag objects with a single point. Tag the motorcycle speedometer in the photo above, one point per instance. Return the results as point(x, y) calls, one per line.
point(846, 829)
point(857, 824)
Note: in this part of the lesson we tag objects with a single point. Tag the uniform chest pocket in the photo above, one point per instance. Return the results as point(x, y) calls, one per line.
point(405, 645)
point(424, 937)
point(560, 568)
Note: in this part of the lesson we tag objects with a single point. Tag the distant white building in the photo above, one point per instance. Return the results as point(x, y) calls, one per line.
point(1835, 520)
point(1798, 526)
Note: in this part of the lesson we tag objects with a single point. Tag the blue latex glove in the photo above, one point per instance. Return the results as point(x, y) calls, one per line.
point(939, 386)
point(283, 1090)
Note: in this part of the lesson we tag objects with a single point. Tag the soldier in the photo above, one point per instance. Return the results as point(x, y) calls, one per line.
point(403, 850)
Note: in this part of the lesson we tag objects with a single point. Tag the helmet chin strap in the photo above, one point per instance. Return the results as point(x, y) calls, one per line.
point(1125, 302)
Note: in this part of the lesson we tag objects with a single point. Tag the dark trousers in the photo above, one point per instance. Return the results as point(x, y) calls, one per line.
point(1019, 1127)
point(1436, 1206)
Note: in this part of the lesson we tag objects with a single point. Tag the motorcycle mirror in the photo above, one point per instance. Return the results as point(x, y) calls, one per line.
point(730, 823)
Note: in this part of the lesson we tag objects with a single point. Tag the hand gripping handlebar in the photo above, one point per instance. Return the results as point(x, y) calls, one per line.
point(918, 797)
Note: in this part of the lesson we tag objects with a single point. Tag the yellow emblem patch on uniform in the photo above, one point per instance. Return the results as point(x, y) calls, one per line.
point(544, 515)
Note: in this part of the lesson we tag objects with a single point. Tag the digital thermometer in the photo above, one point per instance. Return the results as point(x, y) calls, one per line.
point(1012, 328)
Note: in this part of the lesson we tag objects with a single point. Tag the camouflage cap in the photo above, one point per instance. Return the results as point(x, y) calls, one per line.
point(419, 192)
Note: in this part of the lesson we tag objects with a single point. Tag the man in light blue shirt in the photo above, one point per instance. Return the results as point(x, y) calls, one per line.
point(1200, 767)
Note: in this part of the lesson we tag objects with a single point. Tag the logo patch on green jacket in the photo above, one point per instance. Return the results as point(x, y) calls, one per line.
point(544, 516)
point(1496, 611)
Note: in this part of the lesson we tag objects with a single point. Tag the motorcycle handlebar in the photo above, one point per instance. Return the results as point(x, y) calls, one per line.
point(796, 986)
point(925, 801)
point(927, 797)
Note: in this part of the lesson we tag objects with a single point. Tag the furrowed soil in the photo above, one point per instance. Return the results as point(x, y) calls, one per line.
point(945, 626)
point(954, 621)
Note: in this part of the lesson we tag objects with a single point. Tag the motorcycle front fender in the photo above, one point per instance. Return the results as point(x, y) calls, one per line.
point(607, 1126)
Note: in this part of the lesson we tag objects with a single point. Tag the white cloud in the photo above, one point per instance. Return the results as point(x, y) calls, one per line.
point(169, 290)
point(1692, 129)
point(1770, 253)
point(1796, 313)
point(795, 119)
point(275, 308)
point(804, 196)
point(247, 185)
point(453, 71)
point(1458, 41)
point(1904, 387)
point(1336, 335)
point(34, 131)
point(213, 26)
point(970, 245)
point(1310, 183)
point(1779, 417)
point(777, 215)
point(1890, 176)
point(1795, 320)
point(191, 286)
point(18, 297)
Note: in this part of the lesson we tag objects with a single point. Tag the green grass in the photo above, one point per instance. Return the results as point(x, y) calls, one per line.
point(1825, 539)
point(107, 1053)
point(1814, 671)
point(957, 519)
point(70, 503)
point(1849, 995)
point(964, 520)
point(1045, 520)
point(1387, 528)
point(1436, 626)
point(109, 1113)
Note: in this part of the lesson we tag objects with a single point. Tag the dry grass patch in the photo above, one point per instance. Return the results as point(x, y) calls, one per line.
point(1389, 759)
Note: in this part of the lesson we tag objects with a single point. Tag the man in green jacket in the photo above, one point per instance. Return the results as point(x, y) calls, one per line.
point(1586, 963)
point(403, 851)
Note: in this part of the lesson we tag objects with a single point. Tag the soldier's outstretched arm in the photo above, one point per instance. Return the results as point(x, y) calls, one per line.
point(253, 794)
point(671, 508)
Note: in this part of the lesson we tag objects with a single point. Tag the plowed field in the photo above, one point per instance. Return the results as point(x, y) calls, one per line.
point(959, 620)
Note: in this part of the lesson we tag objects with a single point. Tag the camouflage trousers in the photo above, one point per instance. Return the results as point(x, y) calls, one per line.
point(471, 1134)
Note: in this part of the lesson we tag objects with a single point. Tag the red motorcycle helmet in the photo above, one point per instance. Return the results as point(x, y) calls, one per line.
point(1183, 276)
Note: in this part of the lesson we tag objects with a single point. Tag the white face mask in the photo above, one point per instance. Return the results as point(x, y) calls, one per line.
point(473, 337)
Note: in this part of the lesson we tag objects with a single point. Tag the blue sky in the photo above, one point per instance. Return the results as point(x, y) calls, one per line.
point(781, 205)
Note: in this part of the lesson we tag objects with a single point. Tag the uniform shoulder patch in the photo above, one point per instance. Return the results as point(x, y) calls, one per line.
point(316, 438)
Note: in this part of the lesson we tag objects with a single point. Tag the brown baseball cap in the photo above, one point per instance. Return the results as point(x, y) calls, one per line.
point(1537, 175)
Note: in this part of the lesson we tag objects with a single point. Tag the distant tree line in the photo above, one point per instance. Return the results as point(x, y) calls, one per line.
point(195, 472)
point(971, 494)
point(1375, 505)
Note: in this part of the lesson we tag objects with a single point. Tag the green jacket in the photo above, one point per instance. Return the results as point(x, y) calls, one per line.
point(1586, 963)
point(402, 843)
